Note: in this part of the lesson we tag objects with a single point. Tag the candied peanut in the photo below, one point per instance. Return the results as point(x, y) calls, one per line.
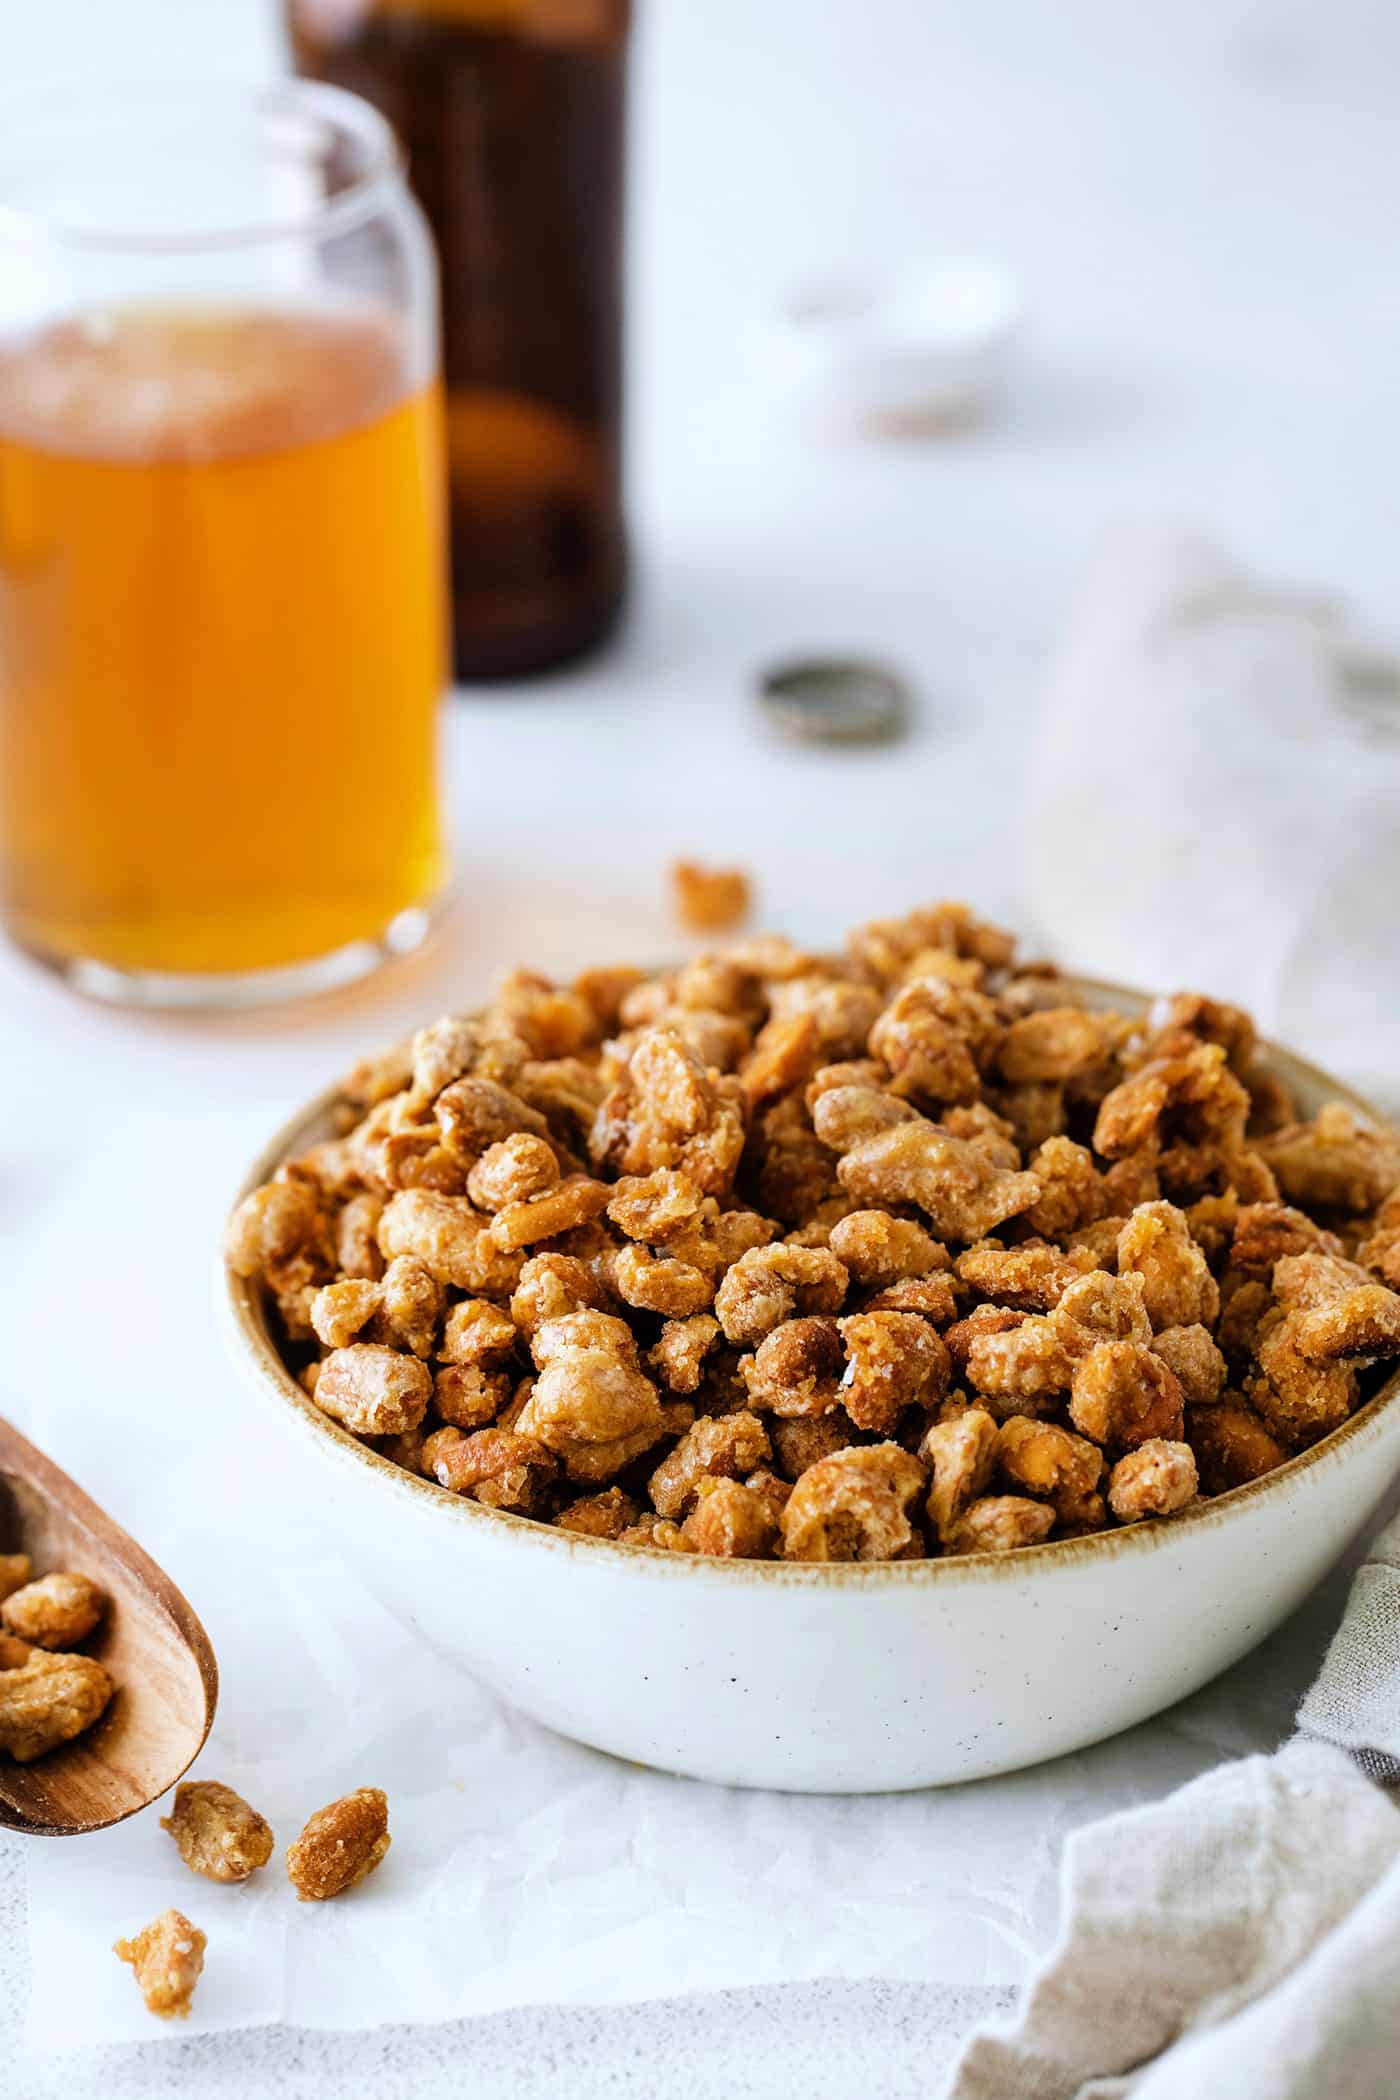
point(1342, 1310)
point(477, 1332)
point(984, 1319)
point(799, 1441)
point(960, 1454)
point(722, 1446)
point(168, 1958)
point(373, 1390)
point(1265, 1232)
point(894, 1360)
point(1071, 1188)
point(16, 1569)
point(1056, 1043)
point(843, 1014)
point(552, 1286)
point(551, 1021)
point(410, 1305)
point(1156, 1480)
point(472, 1115)
point(502, 1468)
point(1336, 1162)
point(669, 1111)
point(1123, 1395)
point(55, 1611)
point(931, 1296)
point(1031, 1276)
point(274, 1225)
point(468, 1397)
point(1299, 1397)
point(339, 1845)
point(885, 947)
point(512, 1171)
point(768, 1284)
point(654, 1206)
point(709, 900)
point(1198, 1364)
point(785, 1053)
point(1178, 1288)
point(218, 1834)
point(797, 1369)
point(340, 1311)
point(731, 1520)
point(585, 1329)
point(447, 1234)
point(1188, 1093)
point(865, 1073)
point(997, 1523)
point(1023, 1367)
point(357, 1242)
point(951, 1179)
point(1232, 1445)
point(1209, 1021)
point(653, 1284)
point(935, 1036)
point(603, 1516)
point(594, 1409)
point(1042, 1459)
point(844, 1115)
point(440, 1053)
point(1101, 1308)
point(48, 1700)
point(679, 1355)
point(877, 1249)
point(855, 1505)
point(574, 1201)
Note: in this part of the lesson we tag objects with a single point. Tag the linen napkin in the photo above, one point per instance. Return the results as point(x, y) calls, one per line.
point(1215, 801)
point(1217, 804)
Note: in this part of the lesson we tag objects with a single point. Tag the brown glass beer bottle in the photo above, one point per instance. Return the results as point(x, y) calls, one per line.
point(512, 114)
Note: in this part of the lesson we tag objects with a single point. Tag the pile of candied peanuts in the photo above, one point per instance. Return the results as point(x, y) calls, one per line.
point(875, 1256)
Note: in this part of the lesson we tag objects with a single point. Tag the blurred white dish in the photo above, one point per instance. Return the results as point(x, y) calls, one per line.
point(929, 348)
point(820, 1678)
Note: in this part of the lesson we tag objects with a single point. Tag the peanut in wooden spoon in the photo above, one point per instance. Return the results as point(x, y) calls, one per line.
point(150, 1640)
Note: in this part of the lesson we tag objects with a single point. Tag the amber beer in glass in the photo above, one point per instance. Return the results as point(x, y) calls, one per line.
point(512, 112)
point(222, 589)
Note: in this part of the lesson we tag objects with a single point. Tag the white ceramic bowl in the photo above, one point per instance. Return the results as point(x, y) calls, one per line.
point(814, 1678)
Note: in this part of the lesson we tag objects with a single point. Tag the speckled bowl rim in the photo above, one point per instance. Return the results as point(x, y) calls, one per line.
point(243, 1319)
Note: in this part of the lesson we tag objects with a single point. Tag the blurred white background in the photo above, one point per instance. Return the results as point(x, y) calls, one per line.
point(1201, 204)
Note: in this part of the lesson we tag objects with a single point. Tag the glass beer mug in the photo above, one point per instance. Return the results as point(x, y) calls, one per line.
point(222, 568)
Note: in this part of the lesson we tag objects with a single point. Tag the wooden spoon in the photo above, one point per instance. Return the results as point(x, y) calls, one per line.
point(166, 1676)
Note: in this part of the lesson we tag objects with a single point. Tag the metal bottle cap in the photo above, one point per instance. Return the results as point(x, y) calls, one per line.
point(835, 700)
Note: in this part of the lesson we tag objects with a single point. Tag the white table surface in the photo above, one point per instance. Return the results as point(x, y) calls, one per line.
point(1201, 201)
